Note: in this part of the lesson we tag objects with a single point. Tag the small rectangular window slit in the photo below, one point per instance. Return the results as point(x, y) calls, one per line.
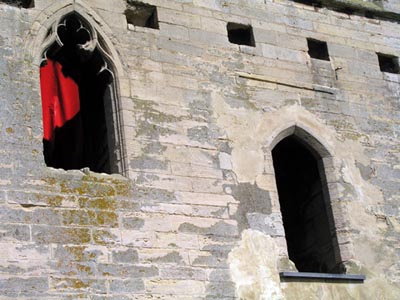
point(142, 14)
point(388, 63)
point(315, 3)
point(318, 49)
point(240, 34)
point(20, 3)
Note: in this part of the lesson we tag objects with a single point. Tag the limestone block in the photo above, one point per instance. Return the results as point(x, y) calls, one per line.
point(136, 238)
point(125, 255)
point(114, 19)
point(164, 256)
point(225, 161)
point(208, 259)
point(205, 198)
point(182, 273)
point(201, 37)
point(175, 287)
point(221, 244)
point(176, 240)
point(189, 210)
point(179, 18)
point(17, 286)
point(185, 224)
point(181, 47)
point(265, 36)
point(127, 286)
point(14, 233)
point(53, 234)
point(80, 253)
point(174, 31)
point(182, 169)
point(208, 185)
point(214, 25)
point(106, 236)
point(127, 270)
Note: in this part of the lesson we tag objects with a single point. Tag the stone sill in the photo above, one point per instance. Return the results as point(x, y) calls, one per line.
point(308, 276)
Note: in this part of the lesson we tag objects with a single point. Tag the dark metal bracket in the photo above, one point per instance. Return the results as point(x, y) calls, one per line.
point(292, 276)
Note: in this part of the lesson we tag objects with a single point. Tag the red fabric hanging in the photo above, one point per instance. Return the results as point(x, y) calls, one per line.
point(60, 98)
point(62, 124)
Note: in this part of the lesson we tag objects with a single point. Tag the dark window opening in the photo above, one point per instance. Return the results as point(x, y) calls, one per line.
point(240, 34)
point(20, 3)
point(317, 49)
point(369, 14)
point(315, 3)
point(76, 88)
point(142, 14)
point(346, 10)
point(306, 211)
point(350, 8)
point(388, 63)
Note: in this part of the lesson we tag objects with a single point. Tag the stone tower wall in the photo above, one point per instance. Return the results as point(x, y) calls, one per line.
point(195, 213)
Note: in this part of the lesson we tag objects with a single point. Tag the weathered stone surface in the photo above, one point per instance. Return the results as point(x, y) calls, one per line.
point(195, 213)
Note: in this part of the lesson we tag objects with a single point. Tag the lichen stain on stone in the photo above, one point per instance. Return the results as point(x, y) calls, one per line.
point(100, 203)
point(9, 130)
point(51, 200)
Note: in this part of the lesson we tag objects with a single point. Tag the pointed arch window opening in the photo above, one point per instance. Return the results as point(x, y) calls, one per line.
point(305, 206)
point(78, 100)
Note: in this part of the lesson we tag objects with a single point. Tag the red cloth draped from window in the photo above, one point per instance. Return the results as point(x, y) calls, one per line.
point(62, 126)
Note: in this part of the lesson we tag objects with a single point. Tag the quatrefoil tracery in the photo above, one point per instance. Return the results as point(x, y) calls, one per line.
point(78, 36)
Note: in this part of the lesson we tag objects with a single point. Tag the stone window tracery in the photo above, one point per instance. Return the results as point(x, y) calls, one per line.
point(78, 100)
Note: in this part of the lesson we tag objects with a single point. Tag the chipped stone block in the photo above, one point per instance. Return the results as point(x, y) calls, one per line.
point(18, 286)
point(125, 255)
point(225, 161)
point(164, 256)
point(126, 286)
point(60, 235)
point(182, 273)
point(269, 224)
point(176, 241)
point(14, 233)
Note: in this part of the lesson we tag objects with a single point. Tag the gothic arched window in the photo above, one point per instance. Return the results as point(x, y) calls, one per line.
point(305, 206)
point(78, 100)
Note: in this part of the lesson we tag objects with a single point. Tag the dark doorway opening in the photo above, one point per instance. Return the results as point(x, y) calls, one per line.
point(305, 208)
point(76, 95)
